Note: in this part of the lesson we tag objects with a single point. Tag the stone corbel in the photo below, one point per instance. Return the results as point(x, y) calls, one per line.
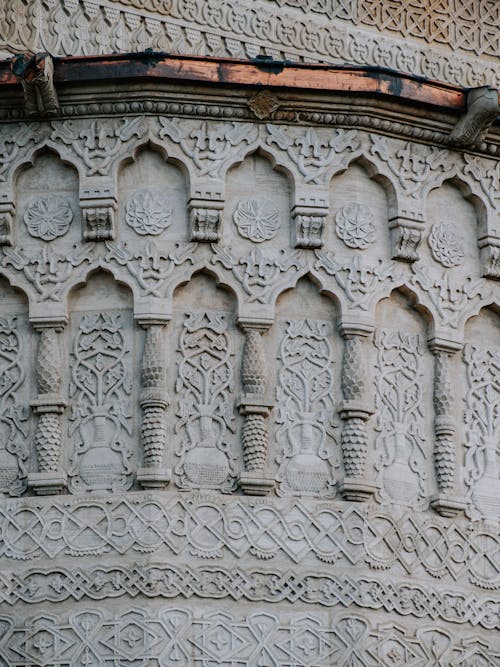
point(309, 214)
point(7, 210)
point(154, 402)
point(48, 406)
point(406, 230)
point(482, 110)
point(355, 411)
point(98, 204)
point(489, 248)
point(445, 502)
point(205, 218)
point(255, 407)
point(37, 78)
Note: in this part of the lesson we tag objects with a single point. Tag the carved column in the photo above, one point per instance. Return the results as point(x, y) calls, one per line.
point(355, 411)
point(48, 406)
point(444, 502)
point(154, 403)
point(255, 407)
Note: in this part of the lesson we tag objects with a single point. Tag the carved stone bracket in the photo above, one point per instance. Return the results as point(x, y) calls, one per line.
point(490, 257)
point(154, 402)
point(205, 216)
point(482, 110)
point(445, 502)
point(48, 406)
point(37, 78)
point(7, 211)
point(406, 235)
point(355, 411)
point(99, 219)
point(309, 225)
point(255, 407)
point(309, 215)
point(98, 203)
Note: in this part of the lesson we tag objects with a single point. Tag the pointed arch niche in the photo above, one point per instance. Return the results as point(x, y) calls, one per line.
point(403, 383)
point(360, 211)
point(103, 401)
point(481, 402)
point(258, 204)
point(204, 377)
point(17, 350)
point(306, 445)
point(452, 229)
point(152, 198)
point(47, 203)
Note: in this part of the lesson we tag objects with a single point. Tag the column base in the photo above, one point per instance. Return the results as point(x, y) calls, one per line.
point(357, 490)
point(448, 506)
point(153, 477)
point(256, 484)
point(47, 483)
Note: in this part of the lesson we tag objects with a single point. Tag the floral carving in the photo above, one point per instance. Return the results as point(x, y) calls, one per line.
point(147, 213)
point(257, 219)
point(354, 225)
point(305, 399)
point(205, 386)
point(48, 217)
point(447, 247)
point(100, 421)
point(13, 431)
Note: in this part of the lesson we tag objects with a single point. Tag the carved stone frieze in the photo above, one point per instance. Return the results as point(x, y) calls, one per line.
point(281, 305)
point(226, 637)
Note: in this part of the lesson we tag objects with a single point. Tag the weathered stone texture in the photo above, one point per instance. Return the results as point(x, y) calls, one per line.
point(249, 357)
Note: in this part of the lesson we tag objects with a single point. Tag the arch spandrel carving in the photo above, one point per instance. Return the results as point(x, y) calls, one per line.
point(249, 383)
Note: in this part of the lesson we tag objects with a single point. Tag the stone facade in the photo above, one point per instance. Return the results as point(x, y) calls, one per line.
point(249, 360)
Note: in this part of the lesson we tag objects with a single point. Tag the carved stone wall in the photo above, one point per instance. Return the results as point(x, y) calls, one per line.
point(249, 372)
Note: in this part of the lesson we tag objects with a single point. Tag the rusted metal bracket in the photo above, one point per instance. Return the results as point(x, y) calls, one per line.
point(37, 78)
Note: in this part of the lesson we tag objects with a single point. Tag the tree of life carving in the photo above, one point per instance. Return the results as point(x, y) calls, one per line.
point(400, 444)
point(100, 419)
point(305, 399)
point(13, 433)
point(205, 387)
point(482, 424)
